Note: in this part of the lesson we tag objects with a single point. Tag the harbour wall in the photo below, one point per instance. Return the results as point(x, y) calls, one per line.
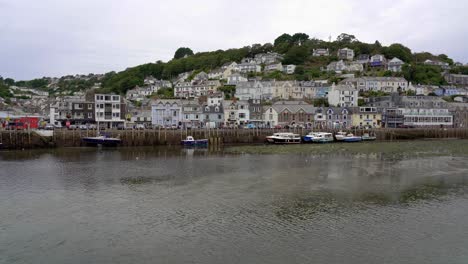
point(28, 139)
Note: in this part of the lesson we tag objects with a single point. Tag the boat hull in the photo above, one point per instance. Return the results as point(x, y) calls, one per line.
point(369, 138)
point(195, 143)
point(111, 142)
point(322, 140)
point(283, 141)
point(352, 139)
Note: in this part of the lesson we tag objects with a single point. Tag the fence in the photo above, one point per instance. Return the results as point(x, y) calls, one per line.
point(150, 137)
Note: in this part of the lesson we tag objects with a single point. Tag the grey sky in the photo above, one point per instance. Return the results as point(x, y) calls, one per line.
point(59, 37)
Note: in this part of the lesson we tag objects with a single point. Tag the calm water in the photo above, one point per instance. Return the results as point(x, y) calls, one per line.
point(159, 205)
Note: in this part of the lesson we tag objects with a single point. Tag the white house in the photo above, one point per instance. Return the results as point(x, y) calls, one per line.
point(109, 110)
point(386, 84)
point(289, 69)
point(320, 52)
point(166, 113)
point(343, 95)
point(235, 78)
point(395, 65)
point(274, 67)
point(346, 54)
point(270, 116)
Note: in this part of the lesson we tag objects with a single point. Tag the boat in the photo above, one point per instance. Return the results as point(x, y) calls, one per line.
point(368, 137)
point(190, 142)
point(339, 136)
point(103, 140)
point(351, 138)
point(318, 137)
point(284, 138)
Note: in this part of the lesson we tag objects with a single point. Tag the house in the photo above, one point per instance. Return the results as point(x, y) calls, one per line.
point(344, 95)
point(201, 76)
point(346, 54)
point(166, 113)
point(191, 114)
point(426, 117)
point(141, 117)
point(254, 90)
point(248, 67)
point(320, 118)
point(212, 116)
point(255, 111)
point(196, 89)
point(443, 65)
point(459, 79)
point(293, 113)
point(289, 69)
point(270, 116)
point(320, 52)
point(459, 112)
point(216, 74)
point(338, 117)
point(274, 67)
point(377, 60)
point(367, 117)
point(109, 110)
point(235, 78)
point(267, 58)
point(395, 65)
point(236, 112)
point(386, 84)
point(363, 58)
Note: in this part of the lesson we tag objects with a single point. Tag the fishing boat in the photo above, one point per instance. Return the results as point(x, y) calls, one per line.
point(284, 138)
point(351, 138)
point(191, 142)
point(318, 137)
point(103, 140)
point(368, 137)
point(339, 136)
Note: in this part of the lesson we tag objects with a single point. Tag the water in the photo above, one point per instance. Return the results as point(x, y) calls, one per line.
point(160, 205)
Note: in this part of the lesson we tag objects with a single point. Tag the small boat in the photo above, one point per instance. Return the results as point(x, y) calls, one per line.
point(284, 138)
point(318, 137)
point(351, 138)
point(368, 137)
point(190, 141)
point(339, 136)
point(103, 140)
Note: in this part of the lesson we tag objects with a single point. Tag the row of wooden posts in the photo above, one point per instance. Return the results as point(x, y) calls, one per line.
point(154, 137)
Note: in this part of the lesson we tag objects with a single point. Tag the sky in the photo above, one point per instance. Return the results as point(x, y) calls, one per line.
point(59, 37)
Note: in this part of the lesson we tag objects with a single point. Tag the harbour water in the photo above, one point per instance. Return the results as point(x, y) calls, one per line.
point(394, 202)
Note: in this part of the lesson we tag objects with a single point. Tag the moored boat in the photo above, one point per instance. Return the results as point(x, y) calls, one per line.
point(103, 140)
point(284, 138)
point(191, 142)
point(339, 136)
point(368, 137)
point(351, 138)
point(318, 137)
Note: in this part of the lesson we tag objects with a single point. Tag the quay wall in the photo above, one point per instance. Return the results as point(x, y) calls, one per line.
point(72, 138)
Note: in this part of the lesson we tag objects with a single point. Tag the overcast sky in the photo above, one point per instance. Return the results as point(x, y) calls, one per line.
point(59, 37)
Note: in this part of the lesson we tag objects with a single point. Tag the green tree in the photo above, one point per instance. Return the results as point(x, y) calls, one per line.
point(9, 81)
point(398, 51)
point(182, 52)
point(299, 38)
point(296, 55)
point(284, 38)
point(346, 38)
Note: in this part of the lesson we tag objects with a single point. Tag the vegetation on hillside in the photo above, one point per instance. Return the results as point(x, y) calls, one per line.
point(297, 49)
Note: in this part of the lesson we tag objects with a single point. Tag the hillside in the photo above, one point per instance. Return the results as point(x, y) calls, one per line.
point(296, 49)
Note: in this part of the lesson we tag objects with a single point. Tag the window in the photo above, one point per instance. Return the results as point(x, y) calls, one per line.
point(241, 115)
point(115, 98)
point(107, 98)
point(174, 113)
point(90, 115)
point(90, 106)
point(207, 117)
point(196, 116)
point(219, 117)
point(360, 116)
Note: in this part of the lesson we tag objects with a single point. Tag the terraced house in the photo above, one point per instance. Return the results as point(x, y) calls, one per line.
point(293, 113)
point(385, 84)
point(366, 117)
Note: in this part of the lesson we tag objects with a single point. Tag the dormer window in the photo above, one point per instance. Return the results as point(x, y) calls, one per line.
point(217, 109)
point(207, 108)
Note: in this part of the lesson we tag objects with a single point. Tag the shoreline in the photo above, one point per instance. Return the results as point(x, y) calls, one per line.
point(216, 137)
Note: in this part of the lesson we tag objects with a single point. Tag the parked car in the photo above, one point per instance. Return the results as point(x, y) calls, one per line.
point(92, 127)
point(140, 126)
point(73, 127)
point(83, 127)
point(120, 127)
point(250, 126)
point(49, 127)
point(278, 127)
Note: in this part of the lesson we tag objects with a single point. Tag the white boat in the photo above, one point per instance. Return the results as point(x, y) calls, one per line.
point(340, 135)
point(284, 138)
point(368, 137)
point(351, 138)
point(103, 140)
point(318, 137)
